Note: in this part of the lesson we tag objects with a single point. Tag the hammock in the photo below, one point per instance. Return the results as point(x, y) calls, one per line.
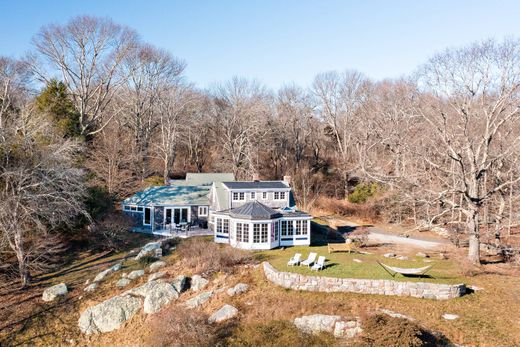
point(421, 271)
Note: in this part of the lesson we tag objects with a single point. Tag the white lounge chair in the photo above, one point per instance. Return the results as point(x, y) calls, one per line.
point(310, 260)
point(320, 264)
point(295, 260)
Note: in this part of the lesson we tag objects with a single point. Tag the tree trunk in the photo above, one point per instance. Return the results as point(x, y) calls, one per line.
point(23, 270)
point(474, 235)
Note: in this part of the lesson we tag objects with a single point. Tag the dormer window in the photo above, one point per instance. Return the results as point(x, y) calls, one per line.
point(239, 196)
point(264, 195)
point(253, 195)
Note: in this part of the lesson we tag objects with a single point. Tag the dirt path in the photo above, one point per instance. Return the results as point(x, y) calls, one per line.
point(381, 236)
point(377, 234)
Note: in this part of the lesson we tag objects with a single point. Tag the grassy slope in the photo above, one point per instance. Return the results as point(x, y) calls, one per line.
point(487, 318)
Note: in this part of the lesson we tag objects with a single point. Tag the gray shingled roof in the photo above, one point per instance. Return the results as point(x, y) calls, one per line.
point(256, 185)
point(198, 179)
point(254, 210)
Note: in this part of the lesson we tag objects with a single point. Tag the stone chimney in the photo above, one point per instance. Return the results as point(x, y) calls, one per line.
point(287, 180)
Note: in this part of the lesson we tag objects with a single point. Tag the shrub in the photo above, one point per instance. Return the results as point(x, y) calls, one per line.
point(363, 192)
point(276, 333)
point(147, 260)
point(177, 326)
point(208, 257)
point(153, 181)
point(383, 330)
point(360, 234)
point(370, 211)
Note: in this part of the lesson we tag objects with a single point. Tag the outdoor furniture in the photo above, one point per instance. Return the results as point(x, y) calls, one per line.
point(421, 271)
point(295, 260)
point(310, 260)
point(341, 247)
point(320, 264)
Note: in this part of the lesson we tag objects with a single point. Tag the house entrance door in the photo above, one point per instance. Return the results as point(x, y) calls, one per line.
point(176, 215)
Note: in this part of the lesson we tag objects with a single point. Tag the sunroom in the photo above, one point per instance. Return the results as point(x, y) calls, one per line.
point(258, 227)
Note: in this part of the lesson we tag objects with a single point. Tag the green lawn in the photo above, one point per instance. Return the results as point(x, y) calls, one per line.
point(342, 265)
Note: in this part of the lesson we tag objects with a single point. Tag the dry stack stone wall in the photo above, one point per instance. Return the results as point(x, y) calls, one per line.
point(383, 287)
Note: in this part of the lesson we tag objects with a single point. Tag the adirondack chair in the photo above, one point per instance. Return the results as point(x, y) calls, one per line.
point(295, 260)
point(320, 264)
point(310, 260)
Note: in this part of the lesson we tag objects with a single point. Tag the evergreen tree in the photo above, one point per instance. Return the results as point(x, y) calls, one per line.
point(55, 102)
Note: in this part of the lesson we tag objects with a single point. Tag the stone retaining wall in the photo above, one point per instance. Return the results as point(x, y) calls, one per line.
point(383, 287)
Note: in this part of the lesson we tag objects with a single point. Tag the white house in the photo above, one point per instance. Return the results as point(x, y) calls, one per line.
point(257, 215)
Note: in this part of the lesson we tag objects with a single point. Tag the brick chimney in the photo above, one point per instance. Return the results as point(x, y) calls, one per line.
point(287, 180)
point(256, 177)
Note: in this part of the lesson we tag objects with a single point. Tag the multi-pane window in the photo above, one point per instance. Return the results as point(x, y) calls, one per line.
point(219, 225)
point(265, 232)
point(239, 232)
point(287, 229)
point(256, 233)
point(203, 211)
point(225, 226)
point(242, 232)
point(279, 195)
point(253, 195)
point(299, 227)
point(239, 196)
point(275, 231)
point(264, 195)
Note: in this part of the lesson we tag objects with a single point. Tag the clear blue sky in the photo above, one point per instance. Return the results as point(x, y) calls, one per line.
point(280, 41)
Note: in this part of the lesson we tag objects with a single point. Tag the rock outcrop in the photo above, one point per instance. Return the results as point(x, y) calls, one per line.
point(108, 315)
point(318, 323)
point(53, 292)
point(224, 313)
point(156, 266)
point(156, 276)
point(135, 274)
point(101, 276)
point(123, 282)
point(180, 283)
point(150, 249)
point(198, 283)
point(91, 287)
point(159, 296)
point(238, 289)
point(199, 299)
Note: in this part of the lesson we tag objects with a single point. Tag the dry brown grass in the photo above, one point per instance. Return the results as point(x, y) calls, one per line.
point(277, 333)
point(383, 330)
point(177, 326)
point(487, 318)
point(368, 212)
point(206, 258)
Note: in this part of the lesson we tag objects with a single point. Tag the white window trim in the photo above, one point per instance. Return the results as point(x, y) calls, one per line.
point(205, 211)
point(252, 195)
point(133, 208)
point(265, 195)
point(241, 196)
point(151, 216)
point(279, 194)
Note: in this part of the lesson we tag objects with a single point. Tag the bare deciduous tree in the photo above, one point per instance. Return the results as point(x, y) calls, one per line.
point(87, 54)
